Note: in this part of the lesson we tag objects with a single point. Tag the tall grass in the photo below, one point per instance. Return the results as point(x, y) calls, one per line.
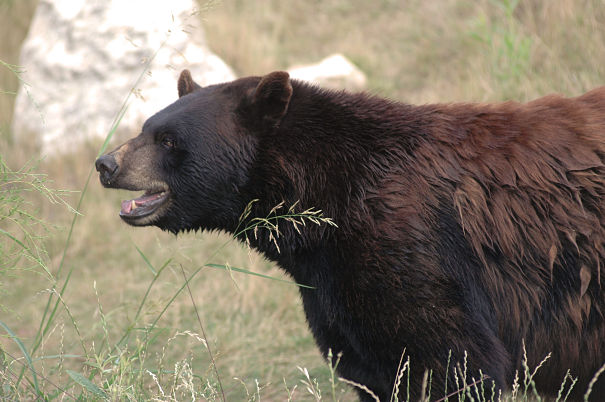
point(22, 234)
point(97, 310)
point(22, 230)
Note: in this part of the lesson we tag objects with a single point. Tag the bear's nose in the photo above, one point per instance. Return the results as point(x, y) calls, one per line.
point(107, 167)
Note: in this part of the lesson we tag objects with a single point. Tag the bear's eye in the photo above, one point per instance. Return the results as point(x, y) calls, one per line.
point(168, 142)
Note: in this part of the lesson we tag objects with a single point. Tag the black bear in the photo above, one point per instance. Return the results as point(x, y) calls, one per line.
point(467, 233)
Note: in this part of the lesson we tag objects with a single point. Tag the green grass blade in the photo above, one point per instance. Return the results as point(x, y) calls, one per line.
point(146, 260)
point(49, 322)
point(245, 271)
point(155, 278)
point(87, 384)
point(24, 247)
point(116, 123)
point(51, 357)
point(44, 328)
point(25, 354)
point(114, 126)
point(178, 292)
point(13, 238)
point(138, 313)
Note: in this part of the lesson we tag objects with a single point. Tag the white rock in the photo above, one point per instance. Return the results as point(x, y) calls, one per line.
point(335, 72)
point(82, 59)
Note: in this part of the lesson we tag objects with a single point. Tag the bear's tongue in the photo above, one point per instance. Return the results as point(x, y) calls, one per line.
point(129, 205)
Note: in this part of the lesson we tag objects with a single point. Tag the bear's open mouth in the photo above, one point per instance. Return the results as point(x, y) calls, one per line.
point(144, 205)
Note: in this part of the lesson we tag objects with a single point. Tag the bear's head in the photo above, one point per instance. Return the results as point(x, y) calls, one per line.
point(192, 159)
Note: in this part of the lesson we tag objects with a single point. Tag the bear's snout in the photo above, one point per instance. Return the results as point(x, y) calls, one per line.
point(107, 167)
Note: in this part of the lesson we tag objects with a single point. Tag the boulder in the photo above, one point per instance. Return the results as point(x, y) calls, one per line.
point(83, 58)
point(335, 72)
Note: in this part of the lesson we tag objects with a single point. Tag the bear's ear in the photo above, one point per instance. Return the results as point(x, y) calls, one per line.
point(272, 96)
point(186, 84)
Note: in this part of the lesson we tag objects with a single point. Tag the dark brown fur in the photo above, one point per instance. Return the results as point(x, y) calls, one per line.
point(528, 184)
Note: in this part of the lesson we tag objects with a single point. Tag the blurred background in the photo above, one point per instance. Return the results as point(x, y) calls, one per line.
point(97, 271)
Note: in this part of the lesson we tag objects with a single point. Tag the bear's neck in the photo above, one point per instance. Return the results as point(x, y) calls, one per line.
point(328, 150)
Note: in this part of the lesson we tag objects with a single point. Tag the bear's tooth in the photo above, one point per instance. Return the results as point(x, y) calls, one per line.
point(133, 205)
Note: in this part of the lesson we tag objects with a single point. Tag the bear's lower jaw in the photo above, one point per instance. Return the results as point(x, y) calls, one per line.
point(142, 211)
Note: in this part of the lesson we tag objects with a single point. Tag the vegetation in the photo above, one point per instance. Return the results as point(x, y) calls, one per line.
point(93, 309)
